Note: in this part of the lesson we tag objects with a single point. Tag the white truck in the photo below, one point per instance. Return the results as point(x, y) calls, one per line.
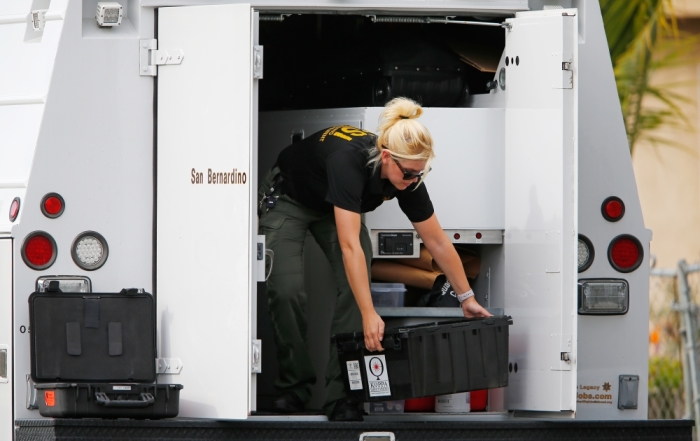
point(132, 140)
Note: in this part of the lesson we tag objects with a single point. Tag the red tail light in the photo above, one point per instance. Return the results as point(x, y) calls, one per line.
point(613, 209)
point(39, 250)
point(14, 209)
point(52, 205)
point(625, 253)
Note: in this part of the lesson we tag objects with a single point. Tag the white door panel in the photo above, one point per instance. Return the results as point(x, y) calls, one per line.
point(6, 418)
point(541, 214)
point(203, 208)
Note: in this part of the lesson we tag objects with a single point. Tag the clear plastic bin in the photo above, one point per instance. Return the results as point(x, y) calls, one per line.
point(387, 294)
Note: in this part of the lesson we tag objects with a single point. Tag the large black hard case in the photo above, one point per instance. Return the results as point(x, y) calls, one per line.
point(425, 360)
point(100, 400)
point(82, 338)
point(94, 355)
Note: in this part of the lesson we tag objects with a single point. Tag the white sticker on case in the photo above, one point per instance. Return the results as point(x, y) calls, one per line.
point(377, 376)
point(354, 375)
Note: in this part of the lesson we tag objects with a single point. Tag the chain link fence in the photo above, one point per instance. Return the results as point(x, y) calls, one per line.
point(673, 335)
point(666, 394)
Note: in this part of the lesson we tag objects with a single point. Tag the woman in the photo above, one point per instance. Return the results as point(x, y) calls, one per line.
point(323, 184)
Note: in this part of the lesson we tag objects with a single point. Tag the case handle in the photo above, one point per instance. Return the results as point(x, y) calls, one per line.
point(391, 342)
point(131, 291)
point(144, 400)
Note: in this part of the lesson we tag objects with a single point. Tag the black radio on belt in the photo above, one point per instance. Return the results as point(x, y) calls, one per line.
point(269, 199)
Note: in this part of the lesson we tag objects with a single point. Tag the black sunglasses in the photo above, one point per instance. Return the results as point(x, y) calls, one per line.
point(408, 176)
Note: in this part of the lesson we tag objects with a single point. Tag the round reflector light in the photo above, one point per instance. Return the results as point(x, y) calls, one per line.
point(39, 250)
point(613, 209)
point(586, 253)
point(625, 253)
point(52, 205)
point(14, 209)
point(89, 250)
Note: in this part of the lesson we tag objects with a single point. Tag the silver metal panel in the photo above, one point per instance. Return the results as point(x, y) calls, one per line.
point(605, 169)
point(93, 147)
point(541, 202)
point(204, 244)
point(26, 65)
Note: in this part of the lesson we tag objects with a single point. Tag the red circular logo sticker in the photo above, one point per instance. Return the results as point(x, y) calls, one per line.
point(376, 366)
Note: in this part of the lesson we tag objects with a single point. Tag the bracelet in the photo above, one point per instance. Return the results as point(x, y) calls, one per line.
point(465, 296)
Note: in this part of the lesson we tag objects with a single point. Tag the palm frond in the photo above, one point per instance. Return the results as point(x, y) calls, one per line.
point(643, 37)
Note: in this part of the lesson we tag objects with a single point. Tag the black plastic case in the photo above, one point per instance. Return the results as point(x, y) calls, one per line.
point(94, 355)
point(79, 400)
point(80, 338)
point(426, 360)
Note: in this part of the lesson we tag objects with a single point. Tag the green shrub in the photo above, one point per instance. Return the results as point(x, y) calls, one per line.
point(665, 373)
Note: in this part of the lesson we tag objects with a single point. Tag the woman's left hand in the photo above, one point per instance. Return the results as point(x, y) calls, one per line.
point(471, 308)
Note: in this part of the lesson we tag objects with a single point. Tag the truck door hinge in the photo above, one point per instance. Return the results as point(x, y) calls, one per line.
point(150, 57)
point(257, 62)
point(171, 366)
point(256, 357)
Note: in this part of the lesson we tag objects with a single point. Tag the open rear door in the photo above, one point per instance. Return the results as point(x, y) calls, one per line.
point(6, 415)
point(204, 207)
point(541, 227)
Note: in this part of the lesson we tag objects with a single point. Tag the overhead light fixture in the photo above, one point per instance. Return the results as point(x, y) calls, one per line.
point(109, 14)
point(38, 19)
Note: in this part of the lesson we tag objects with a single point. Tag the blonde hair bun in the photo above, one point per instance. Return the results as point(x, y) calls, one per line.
point(400, 108)
point(401, 134)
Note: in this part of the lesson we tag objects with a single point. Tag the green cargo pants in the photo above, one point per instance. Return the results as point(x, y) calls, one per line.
point(285, 227)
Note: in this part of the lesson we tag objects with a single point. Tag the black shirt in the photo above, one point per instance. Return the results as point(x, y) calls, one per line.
point(329, 168)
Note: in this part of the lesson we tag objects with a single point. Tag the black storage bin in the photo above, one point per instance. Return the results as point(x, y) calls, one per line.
point(425, 360)
point(95, 355)
point(77, 400)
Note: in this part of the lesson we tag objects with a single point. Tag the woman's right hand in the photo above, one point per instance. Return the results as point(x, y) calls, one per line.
point(373, 327)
